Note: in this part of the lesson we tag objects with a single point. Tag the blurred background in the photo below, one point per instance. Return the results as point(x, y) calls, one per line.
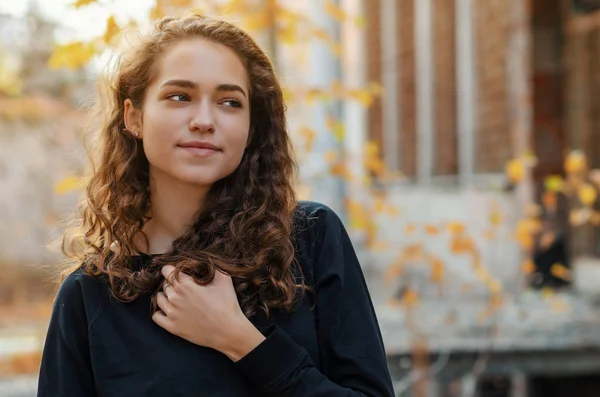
point(459, 140)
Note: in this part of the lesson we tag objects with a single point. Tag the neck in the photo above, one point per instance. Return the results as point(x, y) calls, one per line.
point(174, 205)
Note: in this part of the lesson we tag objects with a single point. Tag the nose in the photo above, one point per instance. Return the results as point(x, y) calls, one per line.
point(202, 119)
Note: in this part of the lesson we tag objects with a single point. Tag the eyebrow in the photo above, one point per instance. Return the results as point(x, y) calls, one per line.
point(193, 85)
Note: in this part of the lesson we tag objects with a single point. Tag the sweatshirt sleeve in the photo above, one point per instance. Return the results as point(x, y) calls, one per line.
point(65, 368)
point(353, 359)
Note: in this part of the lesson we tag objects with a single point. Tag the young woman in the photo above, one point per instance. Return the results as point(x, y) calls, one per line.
point(196, 272)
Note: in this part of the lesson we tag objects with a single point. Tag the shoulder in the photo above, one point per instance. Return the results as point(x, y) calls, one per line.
point(316, 217)
point(317, 226)
point(81, 293)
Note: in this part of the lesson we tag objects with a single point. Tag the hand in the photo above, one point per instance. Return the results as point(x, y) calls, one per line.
point(208, 315)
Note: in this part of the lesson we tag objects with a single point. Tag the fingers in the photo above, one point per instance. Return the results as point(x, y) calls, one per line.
point(163, 303)
point(221, 277)
point(167, 271)
point(160, 318)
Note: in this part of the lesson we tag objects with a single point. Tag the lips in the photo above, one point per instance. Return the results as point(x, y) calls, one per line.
point(200, 149)
point(199, 145)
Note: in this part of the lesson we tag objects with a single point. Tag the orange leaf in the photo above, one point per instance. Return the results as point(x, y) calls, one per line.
point(437, 271)
point(550, 200)
point(528, 267)
point(432, 230)
point(462, 245)
point(456, 227)
point(410, 228)
point(560, 271)
point(410, 298)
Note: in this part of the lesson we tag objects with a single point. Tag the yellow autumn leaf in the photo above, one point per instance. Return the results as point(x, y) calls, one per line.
point(528, 267)
point(309, 135)
point(72, 56)
point(360, 22)
point(560, 271)
point(494, 286)
point(575, 162)
point(379, 205)
point(410, 298)
point(335, 11)
point(357, 214)
point(158, 11)
point(547, 293)
point(287, 34)
point(587, 194)
point(553, 183)
point(67, 184)
point(526, 228)
point(257, 21)
point(364, 97)
point(337, 128)
point(495, 217)
point(515, 170)
point(410, 229)
point(437, 271)
point(456, 227)
point(81, 3)
point(112, 30)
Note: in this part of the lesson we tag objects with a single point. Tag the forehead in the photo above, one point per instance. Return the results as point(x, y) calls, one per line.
point(202, 61)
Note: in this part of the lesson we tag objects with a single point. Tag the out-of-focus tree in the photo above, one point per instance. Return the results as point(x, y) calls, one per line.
point(279, 23)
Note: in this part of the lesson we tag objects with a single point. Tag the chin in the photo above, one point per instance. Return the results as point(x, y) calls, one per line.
point(200, 181)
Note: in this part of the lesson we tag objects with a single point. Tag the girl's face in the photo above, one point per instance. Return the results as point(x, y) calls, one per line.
point(195, 119)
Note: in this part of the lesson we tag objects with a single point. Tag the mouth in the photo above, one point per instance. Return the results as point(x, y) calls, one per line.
point(200, 149)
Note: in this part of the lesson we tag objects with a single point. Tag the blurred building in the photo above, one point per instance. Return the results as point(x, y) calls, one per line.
point(470, 85)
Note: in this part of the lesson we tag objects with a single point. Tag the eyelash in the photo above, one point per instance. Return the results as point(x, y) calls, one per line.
point(234, 102)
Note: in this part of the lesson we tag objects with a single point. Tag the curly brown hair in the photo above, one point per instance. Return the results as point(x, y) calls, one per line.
point(245, 226)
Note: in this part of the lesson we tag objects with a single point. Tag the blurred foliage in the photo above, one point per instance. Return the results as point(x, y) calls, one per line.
point(290, 27)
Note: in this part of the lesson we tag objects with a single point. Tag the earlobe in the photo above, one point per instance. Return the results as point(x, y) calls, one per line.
point(132, 118)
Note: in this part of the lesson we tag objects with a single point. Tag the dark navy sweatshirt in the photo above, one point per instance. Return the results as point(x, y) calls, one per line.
point(97, 346)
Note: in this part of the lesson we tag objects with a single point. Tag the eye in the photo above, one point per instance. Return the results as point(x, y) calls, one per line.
point(179, 97)
point(233, 103)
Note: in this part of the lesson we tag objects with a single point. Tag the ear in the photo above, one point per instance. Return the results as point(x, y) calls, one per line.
point(132, 118)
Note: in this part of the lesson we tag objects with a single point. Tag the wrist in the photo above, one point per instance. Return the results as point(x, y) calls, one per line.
point(245, 337)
